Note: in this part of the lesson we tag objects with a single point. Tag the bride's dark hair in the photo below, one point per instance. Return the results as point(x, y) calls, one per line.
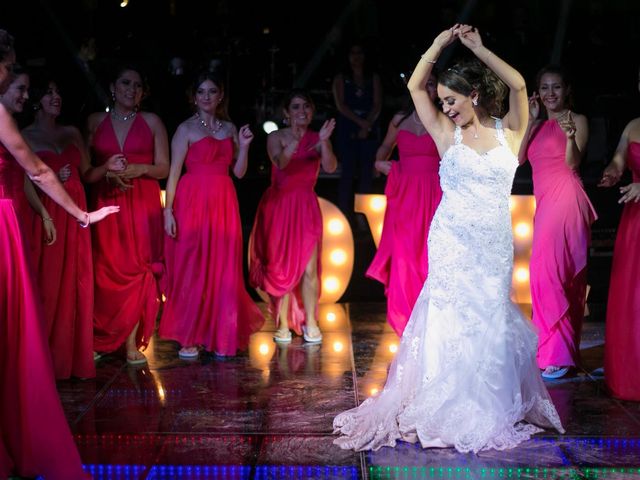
point(469, 75)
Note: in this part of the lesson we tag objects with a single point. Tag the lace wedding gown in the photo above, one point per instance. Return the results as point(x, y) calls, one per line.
point(465, 374)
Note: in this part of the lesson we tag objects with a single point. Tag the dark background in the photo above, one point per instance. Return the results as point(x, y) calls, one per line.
point(266, 48)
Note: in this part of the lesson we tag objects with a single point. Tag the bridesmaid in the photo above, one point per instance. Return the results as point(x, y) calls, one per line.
point(413, 194)
point(562, 223)
point(64, 269)
point(130, 153)
point(622, 337)
point(287, 232)
point(34, 435)
point(14, 100)
point(207, 303)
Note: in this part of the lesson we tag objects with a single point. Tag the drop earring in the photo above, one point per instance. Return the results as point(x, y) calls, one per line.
point(475, 102)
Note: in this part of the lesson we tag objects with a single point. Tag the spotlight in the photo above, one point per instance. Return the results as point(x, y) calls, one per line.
point(269, 126)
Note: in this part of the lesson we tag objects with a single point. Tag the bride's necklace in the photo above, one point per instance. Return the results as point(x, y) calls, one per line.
point(475, 133)
point(213, 128)
point(119, 116)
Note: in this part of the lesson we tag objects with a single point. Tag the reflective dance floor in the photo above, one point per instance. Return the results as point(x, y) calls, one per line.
point(268, 414)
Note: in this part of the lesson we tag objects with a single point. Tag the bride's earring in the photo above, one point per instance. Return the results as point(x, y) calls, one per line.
point(475, 102)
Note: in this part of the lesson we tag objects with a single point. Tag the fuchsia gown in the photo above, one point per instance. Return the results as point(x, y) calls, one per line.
point(622, 337)
point(413, 194)
point(207, 303)
point(287, 228)
point(65, 275)
point(34, 435)
point(127, 246)
point(561, 235)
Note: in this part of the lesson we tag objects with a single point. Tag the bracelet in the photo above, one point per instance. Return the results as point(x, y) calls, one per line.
point(87, 220)
point(168, 209)
point(432, 62)
point(47, 219)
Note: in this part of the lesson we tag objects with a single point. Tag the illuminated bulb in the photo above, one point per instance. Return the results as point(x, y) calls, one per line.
point(374, 391)
point(335, 226)
point(331, 317)
point(393, 348)
point(378, 203)
point(124, 3)
point(338, 256)
point(331, 284)
point(338, 347)
point(522, 229)
point(522, 274)
point(263, 348)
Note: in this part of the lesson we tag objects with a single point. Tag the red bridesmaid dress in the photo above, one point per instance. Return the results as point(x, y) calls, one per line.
point(207, 303)
point(64, 272)
point(127, 247)
point(34, 435)
point(287, 228)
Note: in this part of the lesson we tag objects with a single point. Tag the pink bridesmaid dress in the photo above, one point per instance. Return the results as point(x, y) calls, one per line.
point(127, 247)
point(207, 303)
point(561, 235)
point(287, 228)
point(34, 435)
point(64, 272)
point(413, 194)
point(622, 336)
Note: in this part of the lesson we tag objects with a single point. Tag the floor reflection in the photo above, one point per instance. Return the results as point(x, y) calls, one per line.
point(268, 413)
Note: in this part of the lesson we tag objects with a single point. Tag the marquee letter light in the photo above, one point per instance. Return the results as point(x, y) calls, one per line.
point(373, 206)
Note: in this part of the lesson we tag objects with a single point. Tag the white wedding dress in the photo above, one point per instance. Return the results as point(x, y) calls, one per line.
point(465, 374)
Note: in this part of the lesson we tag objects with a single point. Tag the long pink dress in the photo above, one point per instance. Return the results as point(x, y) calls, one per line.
point(34, 435)
point(64, 272)
point(413, 194)
point(207, 303)
point(127, 246)
point(287, 229)
point(622, 336)
point(561, 235)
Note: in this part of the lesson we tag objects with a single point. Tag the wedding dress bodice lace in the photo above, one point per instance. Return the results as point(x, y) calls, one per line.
point(465, 374)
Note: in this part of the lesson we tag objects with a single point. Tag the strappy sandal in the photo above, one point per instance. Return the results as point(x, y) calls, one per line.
point(553, 373)
point(282, 336)
point(138, 360)
point(312, 339)
point(189, 353)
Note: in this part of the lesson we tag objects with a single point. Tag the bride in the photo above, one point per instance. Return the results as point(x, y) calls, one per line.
point(465, 374)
